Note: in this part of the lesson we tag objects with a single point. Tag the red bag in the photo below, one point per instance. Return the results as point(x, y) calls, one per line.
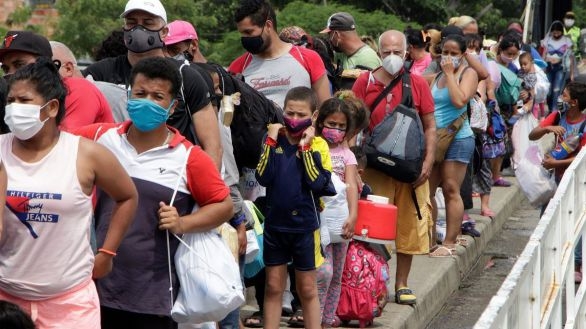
point(364, 292)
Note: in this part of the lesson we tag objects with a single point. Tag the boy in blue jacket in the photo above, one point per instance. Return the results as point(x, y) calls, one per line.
point(294, 172)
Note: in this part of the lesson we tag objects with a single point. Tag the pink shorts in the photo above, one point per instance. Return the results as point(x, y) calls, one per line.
point(78, 308)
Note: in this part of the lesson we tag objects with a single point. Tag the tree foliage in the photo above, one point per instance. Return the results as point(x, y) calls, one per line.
point(83, 24)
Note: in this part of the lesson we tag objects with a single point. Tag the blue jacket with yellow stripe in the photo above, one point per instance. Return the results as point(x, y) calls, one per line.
point(295, 180)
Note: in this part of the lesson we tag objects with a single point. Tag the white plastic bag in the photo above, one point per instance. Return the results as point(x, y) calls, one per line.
point(520, 137)
point(249, 186)
point(334, 214)
point(536, 182)
point(209, 277)
point(542, 86)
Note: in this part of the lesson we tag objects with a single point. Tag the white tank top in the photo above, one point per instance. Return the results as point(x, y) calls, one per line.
point(45, 247)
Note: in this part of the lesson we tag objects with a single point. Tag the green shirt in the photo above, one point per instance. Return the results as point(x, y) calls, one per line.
point(574, 34)
point(364, 56)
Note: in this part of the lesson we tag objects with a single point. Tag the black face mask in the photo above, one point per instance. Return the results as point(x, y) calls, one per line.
point(254, 45)
point(139, 39)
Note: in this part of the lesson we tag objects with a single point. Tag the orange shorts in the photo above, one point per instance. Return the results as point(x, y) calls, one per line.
point(413, 234)
point(77, 308)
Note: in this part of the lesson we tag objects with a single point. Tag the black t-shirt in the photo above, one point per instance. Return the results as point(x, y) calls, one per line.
point(197, 95)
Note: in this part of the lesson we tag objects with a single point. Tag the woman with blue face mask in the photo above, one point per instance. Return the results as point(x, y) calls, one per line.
point(162, 163)
point(47, 261)
point(452, 89)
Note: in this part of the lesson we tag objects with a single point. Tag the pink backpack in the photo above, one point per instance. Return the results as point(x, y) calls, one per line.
point(364, 293)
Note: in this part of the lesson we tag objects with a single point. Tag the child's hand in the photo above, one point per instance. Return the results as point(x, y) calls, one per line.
point(307, 136)
point(169, 219)
point(273, 130)
point(549, 162)
point(557, 130)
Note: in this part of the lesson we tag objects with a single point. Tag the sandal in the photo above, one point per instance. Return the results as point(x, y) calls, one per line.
point(462, 241)
point(469, 228)
point(336, 323)
point(443, 251)
point(296, 321)
point(254, 321)
point(405, 296)
point(501, 182)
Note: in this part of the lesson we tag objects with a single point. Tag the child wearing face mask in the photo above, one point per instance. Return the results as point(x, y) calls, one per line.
point(334, 124)
point(294, 168)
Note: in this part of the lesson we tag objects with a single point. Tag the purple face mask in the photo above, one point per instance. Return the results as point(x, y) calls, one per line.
point(333, 135)
point(296, 127)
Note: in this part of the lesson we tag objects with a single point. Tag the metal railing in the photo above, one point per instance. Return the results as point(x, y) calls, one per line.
point(540, 292)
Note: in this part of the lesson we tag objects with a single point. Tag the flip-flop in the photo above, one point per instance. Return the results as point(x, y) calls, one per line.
point(295, 322)
point(501, 182)
point(443, 252)
point(254, 321)
point(487, 213)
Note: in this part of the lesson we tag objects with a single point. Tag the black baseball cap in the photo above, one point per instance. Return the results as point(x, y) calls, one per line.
point(340, 22)
point(25, 41)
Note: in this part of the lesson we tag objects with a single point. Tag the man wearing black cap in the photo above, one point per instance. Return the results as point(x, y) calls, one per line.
point(350, 50)
point(84, 103)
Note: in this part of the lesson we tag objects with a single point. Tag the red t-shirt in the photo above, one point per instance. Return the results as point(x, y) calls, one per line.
point(84, 105)
point(367, 88)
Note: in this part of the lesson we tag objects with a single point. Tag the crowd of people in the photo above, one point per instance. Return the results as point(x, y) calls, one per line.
point(99, 165)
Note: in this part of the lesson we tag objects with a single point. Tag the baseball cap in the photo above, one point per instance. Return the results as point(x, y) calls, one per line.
point(154, 7)
point(340, 22)
point(293, 34)
point(180, 31)
point(570, 14)
point(25, 41)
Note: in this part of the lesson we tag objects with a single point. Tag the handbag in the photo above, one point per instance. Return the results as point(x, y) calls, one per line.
point(209, 277)
point(478, 114)
point(446, 135)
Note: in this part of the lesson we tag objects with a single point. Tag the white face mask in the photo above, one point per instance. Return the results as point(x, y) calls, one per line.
point(568, 22)
point(393, 64)
point(24, 119)
point(455, 60)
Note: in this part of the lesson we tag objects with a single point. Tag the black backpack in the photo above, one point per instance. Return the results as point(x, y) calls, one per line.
point(251, 117)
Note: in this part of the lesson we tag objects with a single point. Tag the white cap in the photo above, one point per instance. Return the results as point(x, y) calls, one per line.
point(154, 7)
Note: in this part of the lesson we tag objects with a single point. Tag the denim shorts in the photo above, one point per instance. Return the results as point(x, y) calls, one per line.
point(460, 150)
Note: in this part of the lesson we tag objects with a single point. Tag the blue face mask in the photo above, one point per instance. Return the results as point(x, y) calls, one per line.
point(147, 115)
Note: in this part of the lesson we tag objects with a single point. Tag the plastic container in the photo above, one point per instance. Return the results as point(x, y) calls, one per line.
point(566, 147)
point(376, 220)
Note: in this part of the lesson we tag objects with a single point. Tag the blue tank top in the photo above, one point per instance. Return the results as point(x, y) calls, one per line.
point(445, 112)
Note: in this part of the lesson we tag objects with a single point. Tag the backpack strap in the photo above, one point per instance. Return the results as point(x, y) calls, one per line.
point(384, 93)
point(407, 98)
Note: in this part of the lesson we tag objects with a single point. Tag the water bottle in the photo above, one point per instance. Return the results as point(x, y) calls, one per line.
point(567, 147)
point(387, 279)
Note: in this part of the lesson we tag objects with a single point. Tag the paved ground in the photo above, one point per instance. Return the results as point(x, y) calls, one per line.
point(465, 306)
point(434, 280)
